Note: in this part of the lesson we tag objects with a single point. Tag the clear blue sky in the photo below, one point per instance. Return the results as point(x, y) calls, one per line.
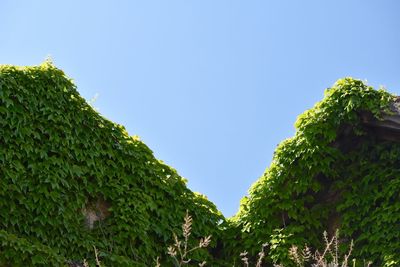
point(211, 86)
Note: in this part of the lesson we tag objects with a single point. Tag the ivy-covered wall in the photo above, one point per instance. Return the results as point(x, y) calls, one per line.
point(71, 179)
point(336, 172)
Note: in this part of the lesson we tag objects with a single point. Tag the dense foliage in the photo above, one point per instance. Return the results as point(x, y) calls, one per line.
point(334, 173)
point(71, 180)
point(62, 165)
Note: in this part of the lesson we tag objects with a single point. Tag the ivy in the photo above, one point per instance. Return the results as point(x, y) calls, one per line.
point(312, 181)
point(60, 158)
point(71, 180)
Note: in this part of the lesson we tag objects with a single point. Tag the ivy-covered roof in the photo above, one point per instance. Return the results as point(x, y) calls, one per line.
point(71, 180)
point(341, 170)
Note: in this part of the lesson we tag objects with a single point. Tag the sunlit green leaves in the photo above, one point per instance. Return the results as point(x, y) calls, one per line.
point(310, 178)
point(57, 155)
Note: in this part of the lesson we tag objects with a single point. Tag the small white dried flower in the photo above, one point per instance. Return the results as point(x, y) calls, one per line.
point(244, 258)
point(187, 226)
point(158, 262)
point(294, 255)
point(204, 242)
point(177, 242)
point(171, 251)
point(307, 253)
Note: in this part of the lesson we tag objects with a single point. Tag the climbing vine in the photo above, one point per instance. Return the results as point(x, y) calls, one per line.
point(71, 180)
point(334, 173)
